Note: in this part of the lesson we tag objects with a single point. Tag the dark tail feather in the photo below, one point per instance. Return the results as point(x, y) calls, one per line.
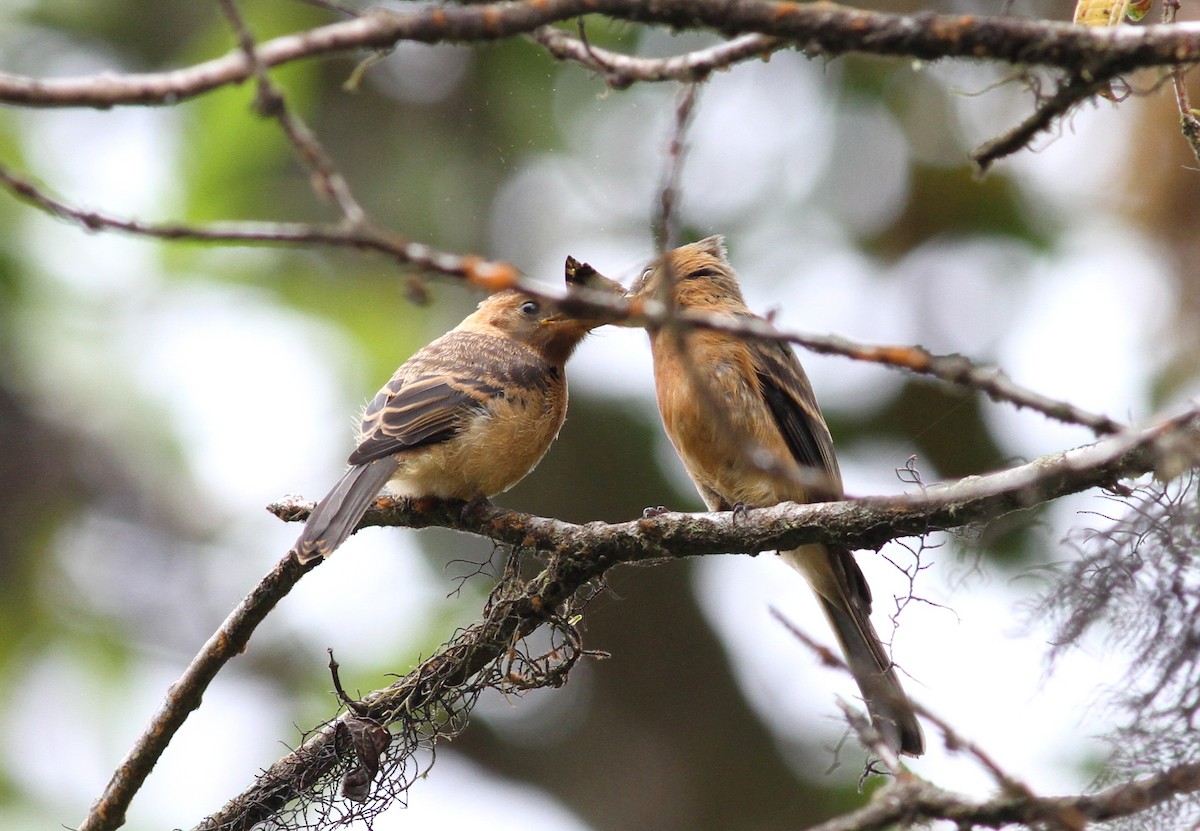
point(890, 710)
point(337, 515)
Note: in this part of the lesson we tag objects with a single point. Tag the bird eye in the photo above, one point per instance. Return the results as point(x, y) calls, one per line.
point(640, 283)
point(704, 271)
point(530, 307)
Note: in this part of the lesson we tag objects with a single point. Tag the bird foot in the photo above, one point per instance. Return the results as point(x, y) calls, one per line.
point(474, 509)
point(658, 510)
point(740, 508)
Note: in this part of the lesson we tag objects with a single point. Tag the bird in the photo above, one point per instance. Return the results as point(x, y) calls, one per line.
point(744, 421)
point(467, 416)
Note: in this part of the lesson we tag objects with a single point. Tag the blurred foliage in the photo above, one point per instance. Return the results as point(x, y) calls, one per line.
point(951, 202)
point(945, 427)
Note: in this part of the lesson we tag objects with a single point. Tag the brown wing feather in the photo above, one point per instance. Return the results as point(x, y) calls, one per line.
point(846, 598)
point(417, 412)
point(789, 397)
point(438, 389)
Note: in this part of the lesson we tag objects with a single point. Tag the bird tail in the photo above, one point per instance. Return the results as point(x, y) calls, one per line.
point(846, 602)
point(337, 515)
point(891, 712)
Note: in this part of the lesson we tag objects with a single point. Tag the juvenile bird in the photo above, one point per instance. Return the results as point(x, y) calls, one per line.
point(744, 421)
point(467, 416)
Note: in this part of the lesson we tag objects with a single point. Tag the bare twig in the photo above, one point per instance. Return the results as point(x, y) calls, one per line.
point(665, 224)
point(495, 276)
point(489, 275)
point(954, 741)
point(953, 369)
point(960, 370)
point(858, 721)
point(335, 675)
point(873, 740)
point(1070, 93)
point(911, 800)
point(620, 71)
point(1188, 122)
point(817, 28)
point(326, 178)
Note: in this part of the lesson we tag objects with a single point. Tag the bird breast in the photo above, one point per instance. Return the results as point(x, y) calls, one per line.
point(717, 420)
point(495, 448)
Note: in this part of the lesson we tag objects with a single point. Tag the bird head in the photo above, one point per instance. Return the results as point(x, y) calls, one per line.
point(552, 330)
point(697, 275)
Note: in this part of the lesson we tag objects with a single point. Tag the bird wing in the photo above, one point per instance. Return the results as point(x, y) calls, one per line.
point(789, 397)
point(413, 411)
point(833, 572)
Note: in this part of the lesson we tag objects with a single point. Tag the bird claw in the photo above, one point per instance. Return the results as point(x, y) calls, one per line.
point(740, 508)
point(474, 508)
point(656, 510)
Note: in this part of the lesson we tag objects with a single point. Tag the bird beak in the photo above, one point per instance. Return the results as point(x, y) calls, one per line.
point(583, 276)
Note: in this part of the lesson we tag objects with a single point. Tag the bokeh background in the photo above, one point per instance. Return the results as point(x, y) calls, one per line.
point(155, 397)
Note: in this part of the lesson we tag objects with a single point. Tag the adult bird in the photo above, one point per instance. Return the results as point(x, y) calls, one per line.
point(743, 418)
point(467, 416)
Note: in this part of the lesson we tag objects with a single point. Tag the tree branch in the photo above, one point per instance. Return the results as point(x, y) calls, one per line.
point(1167, 447)
point(495, 276)
point(185, 695)
point(912, 800)
point(961, 371)
point(1189, 124)
point(665, 224)
point(489, 275)
point(582, 553)
point(815, 28)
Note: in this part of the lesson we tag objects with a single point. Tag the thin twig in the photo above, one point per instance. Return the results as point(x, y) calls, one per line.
point(1069, 93)
point(1009, 784)
point(665, 224)
point(620, 70)
point(1189, 124)
point(953, 369)
point(913, 800)
point(487, 274)
point(961, 371)
point(495, 276)
point(867, 734)
point(335, 674)
point(326, 179)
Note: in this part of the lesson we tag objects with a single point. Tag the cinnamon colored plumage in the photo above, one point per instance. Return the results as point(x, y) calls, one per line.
point(743, 418)
point(467, 416)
